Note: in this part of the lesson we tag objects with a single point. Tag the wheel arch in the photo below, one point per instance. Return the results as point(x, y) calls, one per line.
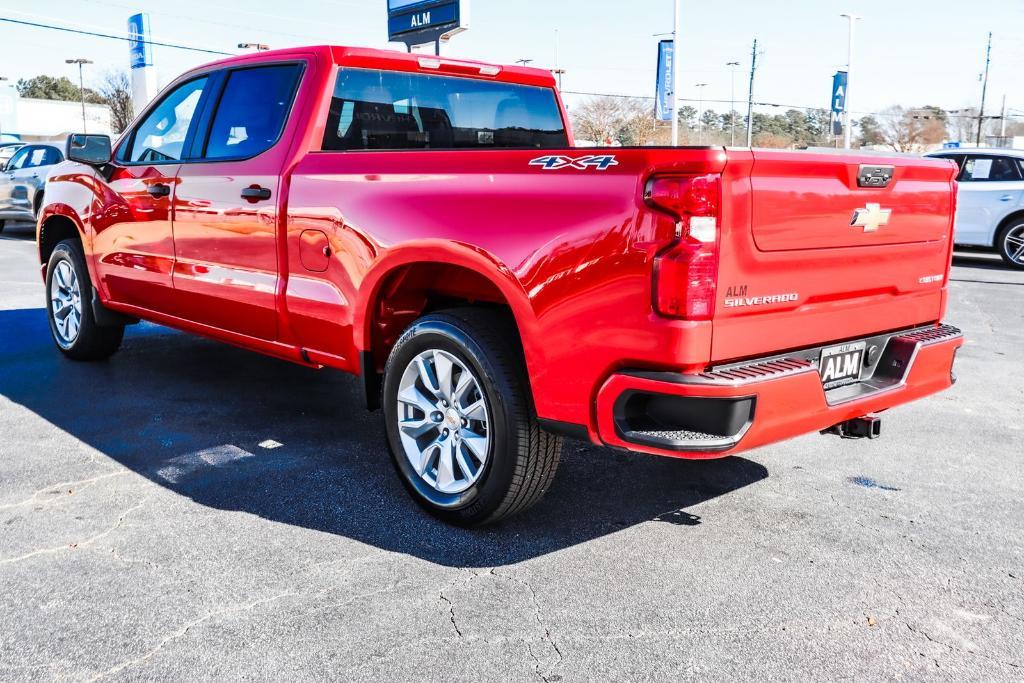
point(57, 222)
point(1017, 215)
point(410, 281)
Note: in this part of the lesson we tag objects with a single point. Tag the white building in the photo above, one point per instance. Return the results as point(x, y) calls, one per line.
point(33, 120)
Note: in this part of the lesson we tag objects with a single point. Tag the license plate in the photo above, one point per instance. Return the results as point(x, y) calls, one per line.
point(839, 365)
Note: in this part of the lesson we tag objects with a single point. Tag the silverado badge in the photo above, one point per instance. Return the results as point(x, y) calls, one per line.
point(871, 217)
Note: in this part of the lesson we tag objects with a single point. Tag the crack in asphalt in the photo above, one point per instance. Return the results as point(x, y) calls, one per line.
point(58, 487)
point(181, 632)
point(80, 544)
point(954, 648)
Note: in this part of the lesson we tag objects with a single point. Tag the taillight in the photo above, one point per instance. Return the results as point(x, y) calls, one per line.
point(686, 271)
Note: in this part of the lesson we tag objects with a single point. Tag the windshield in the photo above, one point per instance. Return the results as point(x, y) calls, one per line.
point(392, 110)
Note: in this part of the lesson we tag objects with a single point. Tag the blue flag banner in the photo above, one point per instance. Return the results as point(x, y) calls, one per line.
point(839, 85)
point(138, 34)
point(664, 97)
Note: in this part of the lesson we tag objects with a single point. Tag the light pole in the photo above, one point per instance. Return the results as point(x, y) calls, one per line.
point(849, 77)
point(677, 73)
point(732, 100)
point(81, 85)
point(4, 78)
point(259, 47)
point(524, 62)
point(700, 112)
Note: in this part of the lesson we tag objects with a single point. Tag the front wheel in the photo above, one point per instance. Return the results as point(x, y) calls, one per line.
point(72, 324)
point(1011, 243)
point(460, 425)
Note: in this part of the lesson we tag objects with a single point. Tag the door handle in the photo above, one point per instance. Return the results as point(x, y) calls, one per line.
point(1006, 198)
point(158, 190)
point(255, 193)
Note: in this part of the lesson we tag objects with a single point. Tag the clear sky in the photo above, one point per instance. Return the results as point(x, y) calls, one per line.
point(911, 52)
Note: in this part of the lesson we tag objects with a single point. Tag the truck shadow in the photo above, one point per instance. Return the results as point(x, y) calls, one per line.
point(191, 415)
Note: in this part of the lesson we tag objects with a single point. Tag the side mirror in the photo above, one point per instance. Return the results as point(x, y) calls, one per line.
point(93, 150)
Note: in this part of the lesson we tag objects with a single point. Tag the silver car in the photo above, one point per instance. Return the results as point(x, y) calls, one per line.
point(23, 180)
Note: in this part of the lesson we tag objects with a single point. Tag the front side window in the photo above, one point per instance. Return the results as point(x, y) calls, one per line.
point(990, 169)
point(18, 160)
point(393, 110)
point(252, 111)
point(160, 138)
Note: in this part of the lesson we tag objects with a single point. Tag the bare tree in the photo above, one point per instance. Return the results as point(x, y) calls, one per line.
point(598, 119)
point(912, 130)
point(116, 91)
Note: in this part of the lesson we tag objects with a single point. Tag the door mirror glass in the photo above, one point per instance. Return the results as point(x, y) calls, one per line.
point(93, 150)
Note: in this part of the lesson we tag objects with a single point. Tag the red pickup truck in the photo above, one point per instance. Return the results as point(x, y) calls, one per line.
point(427, 224)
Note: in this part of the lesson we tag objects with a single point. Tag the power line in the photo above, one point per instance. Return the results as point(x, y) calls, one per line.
point(113, 37)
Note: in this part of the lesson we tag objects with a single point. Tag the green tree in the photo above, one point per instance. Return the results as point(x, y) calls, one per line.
point(50, 88)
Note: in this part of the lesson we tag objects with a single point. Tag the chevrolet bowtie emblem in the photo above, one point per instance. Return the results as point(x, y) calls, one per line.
point(871, 217)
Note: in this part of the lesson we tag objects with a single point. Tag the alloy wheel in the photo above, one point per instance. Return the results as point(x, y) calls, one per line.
point(65, 303)
point(1013, 244)
point(443, 421)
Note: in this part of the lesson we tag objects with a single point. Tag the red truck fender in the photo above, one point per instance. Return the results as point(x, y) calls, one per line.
point(468, 257)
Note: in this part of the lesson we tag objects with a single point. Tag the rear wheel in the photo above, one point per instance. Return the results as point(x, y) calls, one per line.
point(1010, 243)
point(72, 324)
point(460, 425)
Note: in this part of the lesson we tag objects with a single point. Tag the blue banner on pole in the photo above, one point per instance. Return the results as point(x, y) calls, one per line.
point(138, 41)
point(664, 97)
point(839, 86)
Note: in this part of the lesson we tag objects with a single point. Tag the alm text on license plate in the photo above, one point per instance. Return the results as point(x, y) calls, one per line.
point(839, 365)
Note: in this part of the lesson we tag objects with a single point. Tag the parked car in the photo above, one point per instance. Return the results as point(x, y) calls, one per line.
point(427, 224)
point(990, 208)
point(23, 180)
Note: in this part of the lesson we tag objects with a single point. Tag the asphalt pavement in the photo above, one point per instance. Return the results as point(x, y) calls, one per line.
point(188, 510)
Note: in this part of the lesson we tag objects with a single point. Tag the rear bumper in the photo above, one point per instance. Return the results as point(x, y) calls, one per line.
point(737, 407)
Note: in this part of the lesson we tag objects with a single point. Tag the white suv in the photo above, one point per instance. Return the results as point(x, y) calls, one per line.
point(990, 206)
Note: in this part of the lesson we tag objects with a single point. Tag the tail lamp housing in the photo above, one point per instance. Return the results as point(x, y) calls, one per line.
point(686, 269)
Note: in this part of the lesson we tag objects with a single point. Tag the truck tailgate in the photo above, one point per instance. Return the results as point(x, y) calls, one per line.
point(809, 255)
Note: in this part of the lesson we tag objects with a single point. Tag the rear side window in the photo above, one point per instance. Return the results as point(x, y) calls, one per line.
point(990, 169)
point(252, 111)
point(46, 156)
point(392, 110)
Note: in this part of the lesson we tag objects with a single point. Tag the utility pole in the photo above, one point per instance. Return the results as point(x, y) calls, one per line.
point(1002, 121)
point(700, 112)
point(732, 99)
point(750, 96)
point(524, 62)
point(677, 73)
point(81, 85)
point(847, 117)
point(984, 89)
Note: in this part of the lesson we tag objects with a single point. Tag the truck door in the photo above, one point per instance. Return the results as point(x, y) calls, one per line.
point(132, 244)
point(227, 202)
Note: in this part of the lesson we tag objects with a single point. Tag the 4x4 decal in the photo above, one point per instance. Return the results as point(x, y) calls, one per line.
point(556, 162)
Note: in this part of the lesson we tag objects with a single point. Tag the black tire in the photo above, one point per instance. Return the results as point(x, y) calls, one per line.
point(91, 342)
point(1014, 230)
point(522, 458)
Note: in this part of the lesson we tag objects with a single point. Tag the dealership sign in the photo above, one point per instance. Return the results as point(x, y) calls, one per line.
point(839, 85)
point(138, 41)
point(417, 22)
point(664, 101)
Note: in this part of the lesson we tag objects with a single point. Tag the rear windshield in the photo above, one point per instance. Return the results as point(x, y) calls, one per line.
point(392, 110)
